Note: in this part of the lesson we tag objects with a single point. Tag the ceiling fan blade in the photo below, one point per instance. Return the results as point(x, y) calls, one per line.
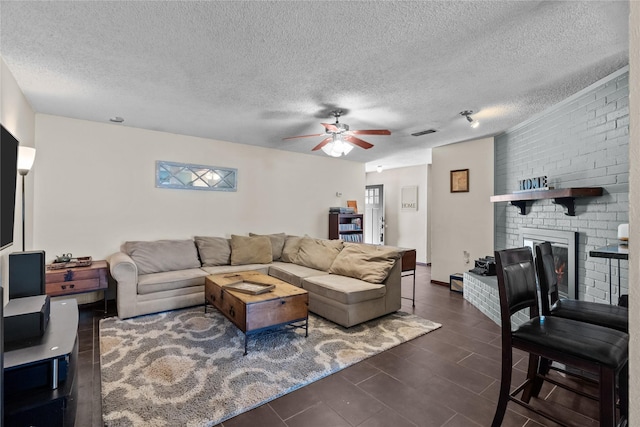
point(330, 127)
point(303, 136)
point(371, 132)
point(357, 141)
point(322, 143)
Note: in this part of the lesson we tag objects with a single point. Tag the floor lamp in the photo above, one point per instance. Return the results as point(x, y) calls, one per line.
point(26, 156)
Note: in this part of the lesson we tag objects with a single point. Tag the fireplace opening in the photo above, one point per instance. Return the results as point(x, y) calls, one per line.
point(564, 245)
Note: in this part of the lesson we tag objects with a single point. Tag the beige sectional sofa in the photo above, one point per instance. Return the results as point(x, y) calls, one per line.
point(348, 283)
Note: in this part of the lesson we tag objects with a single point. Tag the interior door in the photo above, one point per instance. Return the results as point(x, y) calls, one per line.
point(374, 215)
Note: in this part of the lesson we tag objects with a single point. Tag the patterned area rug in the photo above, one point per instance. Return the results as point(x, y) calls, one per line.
point(186, 368)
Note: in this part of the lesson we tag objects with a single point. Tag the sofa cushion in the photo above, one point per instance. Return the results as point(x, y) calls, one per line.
point(318, 253)
point(162, 255)
point(213, 250)
point(292, 273)
point(250, 250)
point(169, 280)
point(365, 262)
point(290, 249)
point(345, 290)
point(222, 269)
point(277, 243)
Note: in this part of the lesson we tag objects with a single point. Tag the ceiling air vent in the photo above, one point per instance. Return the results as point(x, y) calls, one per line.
point(424, 132)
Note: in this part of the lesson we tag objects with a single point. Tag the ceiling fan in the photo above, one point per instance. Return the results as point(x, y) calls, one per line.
point(340, 139)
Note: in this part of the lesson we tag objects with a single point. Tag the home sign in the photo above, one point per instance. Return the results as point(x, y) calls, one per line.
point(537, 183)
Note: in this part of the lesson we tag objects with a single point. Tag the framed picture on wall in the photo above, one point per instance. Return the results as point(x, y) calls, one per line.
point(409, 198)
point(460, 181)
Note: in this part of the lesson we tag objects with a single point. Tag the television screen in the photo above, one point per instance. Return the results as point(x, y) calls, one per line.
point(8, 174)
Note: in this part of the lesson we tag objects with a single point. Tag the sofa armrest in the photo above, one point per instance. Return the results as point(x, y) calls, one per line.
point(393, 282)
point(125, 272)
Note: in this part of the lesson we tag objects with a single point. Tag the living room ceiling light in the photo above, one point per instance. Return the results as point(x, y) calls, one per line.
point(467, 113)
point(116, 119)
point(337, 147)
point(379, 169)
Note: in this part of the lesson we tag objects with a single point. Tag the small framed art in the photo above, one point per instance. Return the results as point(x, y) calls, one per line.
point(409, 198)
point(460, 181)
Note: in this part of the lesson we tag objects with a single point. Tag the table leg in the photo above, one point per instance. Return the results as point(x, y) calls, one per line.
point(619, 288)
point(413, 299)
point(414, 288)
point(54, 374)
point(306, 328)
point(610, 296)
point(245, 344)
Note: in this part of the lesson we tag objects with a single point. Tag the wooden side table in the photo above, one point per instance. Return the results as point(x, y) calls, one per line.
point(78, 280)
point(409, 269)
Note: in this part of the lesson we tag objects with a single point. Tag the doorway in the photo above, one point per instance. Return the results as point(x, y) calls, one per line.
point(374, 215)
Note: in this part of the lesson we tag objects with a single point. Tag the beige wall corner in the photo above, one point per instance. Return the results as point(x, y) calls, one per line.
point(634, 211)
point(461, 222)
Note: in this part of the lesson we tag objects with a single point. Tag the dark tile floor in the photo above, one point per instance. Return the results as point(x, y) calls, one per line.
point(449, 377)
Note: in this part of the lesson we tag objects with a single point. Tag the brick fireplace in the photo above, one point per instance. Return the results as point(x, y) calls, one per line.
point(482, 291)
point(564, 245)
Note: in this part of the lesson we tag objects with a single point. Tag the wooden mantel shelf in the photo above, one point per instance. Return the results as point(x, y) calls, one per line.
point(561, 196)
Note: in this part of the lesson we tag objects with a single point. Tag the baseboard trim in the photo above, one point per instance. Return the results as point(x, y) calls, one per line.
point(438, 282)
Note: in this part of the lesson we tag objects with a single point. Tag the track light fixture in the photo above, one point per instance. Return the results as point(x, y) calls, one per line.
point(467, 114)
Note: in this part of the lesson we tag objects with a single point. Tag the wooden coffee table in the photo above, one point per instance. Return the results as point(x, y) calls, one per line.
point(284, 305)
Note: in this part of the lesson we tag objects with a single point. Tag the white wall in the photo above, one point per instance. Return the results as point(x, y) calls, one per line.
point(461, 221)
point(407, 229)
point(95, 188)
point(17, 116)
point(634, 211)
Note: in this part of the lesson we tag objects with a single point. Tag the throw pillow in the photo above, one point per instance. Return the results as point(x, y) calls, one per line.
point(365, 262)
point(318, 253)
point(290, 249)
point(250, 250)
point(162, 255)
point(277, 243)
point(213, 250)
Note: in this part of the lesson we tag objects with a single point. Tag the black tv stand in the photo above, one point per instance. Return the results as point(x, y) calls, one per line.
point(40, 377)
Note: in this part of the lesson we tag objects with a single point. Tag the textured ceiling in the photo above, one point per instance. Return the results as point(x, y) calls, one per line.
point(256, 72)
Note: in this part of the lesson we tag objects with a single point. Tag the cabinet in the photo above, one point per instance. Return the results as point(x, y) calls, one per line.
point(347, 227)
point(77, 280)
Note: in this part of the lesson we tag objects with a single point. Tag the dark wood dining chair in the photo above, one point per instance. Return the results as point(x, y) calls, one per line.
point(611, 316)
point(599, 351)
point(607, 315)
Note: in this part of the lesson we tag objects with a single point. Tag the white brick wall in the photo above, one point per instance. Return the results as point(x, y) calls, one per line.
point(482, 292)
point(581, 143)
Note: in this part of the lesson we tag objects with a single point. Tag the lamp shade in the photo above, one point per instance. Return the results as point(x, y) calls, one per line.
point(26, 156)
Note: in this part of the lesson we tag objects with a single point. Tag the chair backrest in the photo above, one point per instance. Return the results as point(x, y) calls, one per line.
point(516, 284)
point(547, 278)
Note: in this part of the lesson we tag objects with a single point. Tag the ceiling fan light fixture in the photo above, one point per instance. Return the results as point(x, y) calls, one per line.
point(339, 140)
point(337, 147)
point(473, 123)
